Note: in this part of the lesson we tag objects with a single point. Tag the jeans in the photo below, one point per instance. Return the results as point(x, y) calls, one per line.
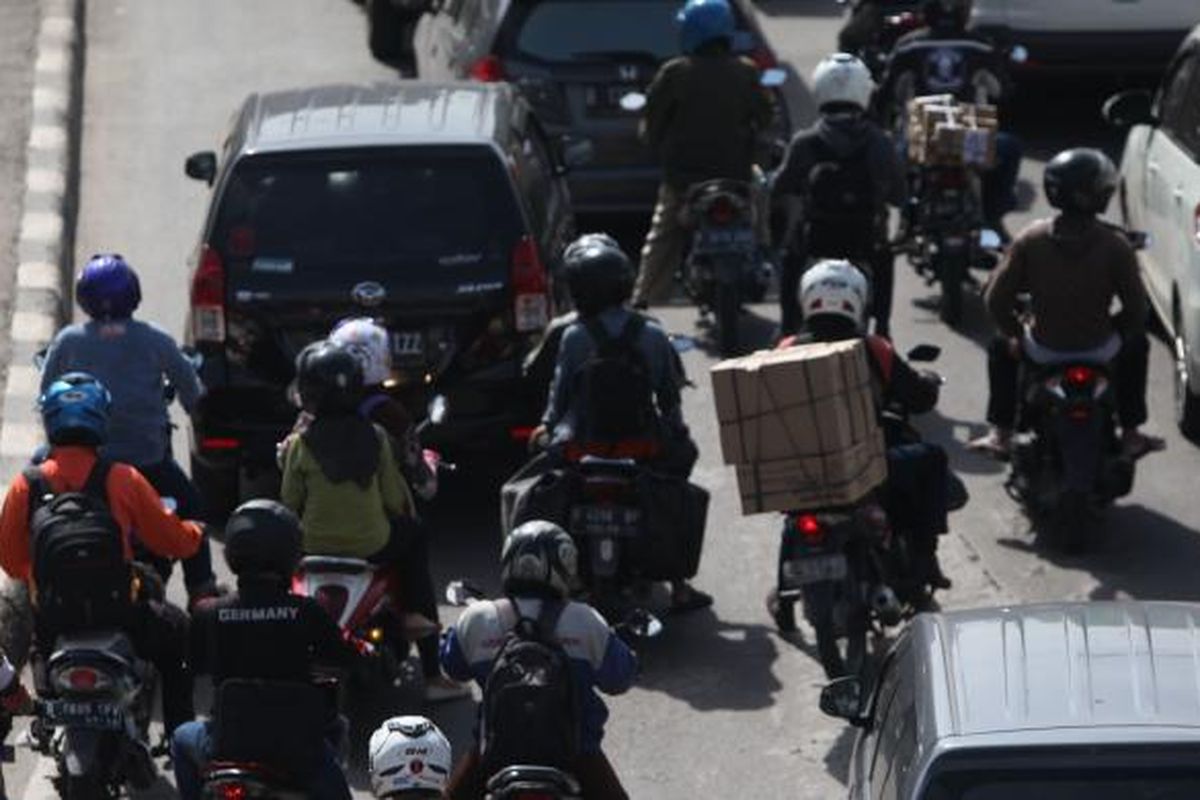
point(1131, 367)
point(407, 551)
point(170, 481)
point(663, 250)
point(191, 748)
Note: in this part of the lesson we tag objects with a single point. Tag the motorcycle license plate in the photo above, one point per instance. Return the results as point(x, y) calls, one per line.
point(95, 714)
point(816, 569)
point(723, 240)
point(408, 344)
point(606, 521)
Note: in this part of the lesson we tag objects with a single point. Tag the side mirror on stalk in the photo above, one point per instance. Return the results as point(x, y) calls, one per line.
point(924, 353)
point(990, 240)
point(640, 624)
point(202, 166)
point(773, 78)
point(462, 593)
point(1138, 240)
point(843, 699)
point(1129, 108)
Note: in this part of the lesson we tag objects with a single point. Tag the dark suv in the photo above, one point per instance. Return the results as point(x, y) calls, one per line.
point(574, 60)
point(440, 210)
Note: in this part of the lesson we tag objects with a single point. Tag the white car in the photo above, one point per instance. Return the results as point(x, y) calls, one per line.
point(1097, 36)
point(1160, 194)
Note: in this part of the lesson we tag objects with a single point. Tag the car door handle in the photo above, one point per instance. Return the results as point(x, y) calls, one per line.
point(1152, 168)
point(1178, 195)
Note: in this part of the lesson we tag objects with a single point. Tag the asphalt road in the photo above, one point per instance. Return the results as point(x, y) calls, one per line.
point(724, 706)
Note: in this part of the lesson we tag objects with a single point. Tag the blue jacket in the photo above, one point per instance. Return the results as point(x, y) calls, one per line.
point(599, 659)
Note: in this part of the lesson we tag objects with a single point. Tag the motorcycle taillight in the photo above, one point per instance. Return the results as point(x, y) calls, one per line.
point(333, 599)
point(232, 790)
point(81, 680)
point(1079, 377)
point(722, 211)
point(809, 526)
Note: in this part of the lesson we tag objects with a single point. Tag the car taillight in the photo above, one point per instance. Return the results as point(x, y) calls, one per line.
point(332, 599)
point(810, 527)
point(722, 211)
point(220, 443)
point(1080, 376)
point(488, 69)
point(530, 287)
point(208, 298)
point(81, 680)
point(521, 433)
point(763, 58)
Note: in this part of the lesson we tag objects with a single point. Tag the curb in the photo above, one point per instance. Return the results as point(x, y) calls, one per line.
point(45, 241)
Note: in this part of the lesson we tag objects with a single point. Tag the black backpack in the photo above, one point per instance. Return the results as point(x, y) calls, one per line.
point(615, 385)
point(83, 579)
point(840, 207)
point(530, 707)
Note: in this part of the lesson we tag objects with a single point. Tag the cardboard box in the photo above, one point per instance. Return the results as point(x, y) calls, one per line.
point(808, 400)
point(942, 132)
point(813, 482)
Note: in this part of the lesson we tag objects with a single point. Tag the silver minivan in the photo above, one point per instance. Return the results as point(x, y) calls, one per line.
point(1063, 701)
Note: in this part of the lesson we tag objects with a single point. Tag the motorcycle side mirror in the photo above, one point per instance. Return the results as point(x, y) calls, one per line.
point(1019, 54)
point(641, 624)
point(924, 353)
point(438, 410)
point(1129, 108)
point(202, 166)
point(773, 78)
point(990, 239)
point(681, 343)
point(193, 357)
point(462, 593)
point(39, 359)
point(633, 101)
point(1138, 240)
point(843, 699)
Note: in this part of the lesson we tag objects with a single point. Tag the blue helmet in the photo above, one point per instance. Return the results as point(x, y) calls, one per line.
point(108, 288)
point(702, 21)
point(75, 410)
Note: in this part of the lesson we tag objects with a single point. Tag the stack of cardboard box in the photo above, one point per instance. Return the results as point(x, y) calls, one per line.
point(944, 132)
point(800, 426)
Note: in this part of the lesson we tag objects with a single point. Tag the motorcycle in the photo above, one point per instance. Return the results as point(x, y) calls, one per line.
point(853, 571)
point(93, 715)
point(527, 782)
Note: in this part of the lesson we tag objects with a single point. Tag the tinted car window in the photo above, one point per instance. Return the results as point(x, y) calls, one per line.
point(283, 216)
point(574, 30)
point(1158, 784)
point(1188, 124)
point(1173, 107)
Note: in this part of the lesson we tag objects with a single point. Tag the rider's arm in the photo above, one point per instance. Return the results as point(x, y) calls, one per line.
point(791, 178)
point(570, 357)
point(1135, 305)
point(1001, 295)
point(614, 665)
point(14, 532)
point(660, 108)
point(138, 507)
point(453, 659)
point(666, 376)
point(181, 373)
point(293, 491)
point(892, 170)
point(916, 391)
point(397, 498)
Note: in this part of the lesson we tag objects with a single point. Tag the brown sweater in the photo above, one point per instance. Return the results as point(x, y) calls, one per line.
point(1072, 270)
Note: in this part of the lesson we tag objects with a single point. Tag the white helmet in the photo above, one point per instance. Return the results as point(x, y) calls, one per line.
point(369, 342)
point(409, 757)
point(842, 78)
point(835, 287)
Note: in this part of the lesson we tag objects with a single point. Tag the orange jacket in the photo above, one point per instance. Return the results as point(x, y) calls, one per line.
point(135, 506)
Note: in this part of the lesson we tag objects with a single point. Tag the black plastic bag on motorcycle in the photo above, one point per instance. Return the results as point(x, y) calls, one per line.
point(280, 724)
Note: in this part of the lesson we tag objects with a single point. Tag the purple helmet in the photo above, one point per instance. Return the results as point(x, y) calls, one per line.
point(108, 288)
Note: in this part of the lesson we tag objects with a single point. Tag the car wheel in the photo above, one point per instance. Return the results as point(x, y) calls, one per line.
point(219, 488)
point(1187, 402)
point(385, 30)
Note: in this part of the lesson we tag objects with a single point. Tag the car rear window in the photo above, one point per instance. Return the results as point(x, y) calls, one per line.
point(287, 214)
point(1098, 783)
point(579, 30)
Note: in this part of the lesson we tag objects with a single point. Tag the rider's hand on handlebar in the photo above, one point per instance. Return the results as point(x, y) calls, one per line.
point(539, 439)
point(1014, 347)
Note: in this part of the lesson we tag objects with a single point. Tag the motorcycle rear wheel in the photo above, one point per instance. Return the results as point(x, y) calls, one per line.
point(1072, 522)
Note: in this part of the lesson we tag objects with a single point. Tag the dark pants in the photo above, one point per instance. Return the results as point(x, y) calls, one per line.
point(169, 480)
point(1129, 373)
point(918, 497)
point(159, 632)
point(881, 273)
point(594, 771)
point(407, 551)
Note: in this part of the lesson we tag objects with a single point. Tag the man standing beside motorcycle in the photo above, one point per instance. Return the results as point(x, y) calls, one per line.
point(845, 172)
point(974, 72)
point(133, 359)
point(261, 632)
point(75, 413)
point(1072, 266)
point(833, 298)
point(637, 396)
point(538, 571)
point(703, 113)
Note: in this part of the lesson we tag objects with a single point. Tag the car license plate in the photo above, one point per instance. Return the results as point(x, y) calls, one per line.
point(95, 714)
point(608, 521)
point(724, 240)
point(408, 344)
point(816, 569)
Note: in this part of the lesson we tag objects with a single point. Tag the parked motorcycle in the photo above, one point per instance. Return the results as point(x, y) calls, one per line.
point(93, 715)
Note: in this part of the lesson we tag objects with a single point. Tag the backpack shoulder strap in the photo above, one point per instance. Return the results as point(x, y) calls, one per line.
point(547, 621)
point(632, 331)
point(39, 488)
point(598, 332)
point(96, 486)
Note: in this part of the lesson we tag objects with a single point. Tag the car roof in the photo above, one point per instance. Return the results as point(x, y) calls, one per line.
point(1059, 666)
point(346, 115)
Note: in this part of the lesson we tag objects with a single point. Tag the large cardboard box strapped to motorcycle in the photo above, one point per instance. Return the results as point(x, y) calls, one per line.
point(800, 425)
point(944, 132)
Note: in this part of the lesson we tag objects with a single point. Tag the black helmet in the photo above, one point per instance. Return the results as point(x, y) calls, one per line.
point(540, 559)
point(599, 274)
point(262, 537)
point(946, 14)
point(328, 378)
point(1081, 180)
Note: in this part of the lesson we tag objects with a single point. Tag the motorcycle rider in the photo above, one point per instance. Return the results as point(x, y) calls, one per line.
point(260, 632)
point(75, 413)
point(845, 171)
point(703, 113)
point(132, 358)
point(1072, 265)
point(833, 297)
point(409, 757)
point(342, 464)
point(976, 75)
point(539, 566)
point(599, 278)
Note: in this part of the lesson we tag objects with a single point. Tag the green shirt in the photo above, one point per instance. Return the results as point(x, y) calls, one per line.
point(343, 519)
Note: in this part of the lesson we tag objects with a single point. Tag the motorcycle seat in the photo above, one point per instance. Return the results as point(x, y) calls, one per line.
point(524, 777)
point(278, 779)
point(108, 645)
point(1099, 356)
point(335, 564)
